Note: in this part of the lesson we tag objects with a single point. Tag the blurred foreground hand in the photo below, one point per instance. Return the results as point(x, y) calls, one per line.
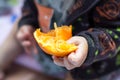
point(26, 39)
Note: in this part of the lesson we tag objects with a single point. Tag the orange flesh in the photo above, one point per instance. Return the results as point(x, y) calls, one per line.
point(55, 41)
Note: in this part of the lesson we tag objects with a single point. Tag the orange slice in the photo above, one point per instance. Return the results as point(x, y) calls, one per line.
point(54, 42)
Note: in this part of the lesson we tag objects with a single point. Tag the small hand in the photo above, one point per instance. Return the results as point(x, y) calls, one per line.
point(74, 59)
point(26, 39)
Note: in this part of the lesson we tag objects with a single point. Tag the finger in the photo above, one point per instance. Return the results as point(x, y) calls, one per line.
point(74, 40)
point(34, 44)
point(27, 46)
point(74, 60)
point(24, 33)
point(34, 47)
point(26, 43)
point(77, 58)
point(20, 36)
point(58, 61)
point(30, 48)
point(68, 65)
point(26, 29)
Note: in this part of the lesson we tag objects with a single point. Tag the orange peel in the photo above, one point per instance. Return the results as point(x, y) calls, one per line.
point(54, 42)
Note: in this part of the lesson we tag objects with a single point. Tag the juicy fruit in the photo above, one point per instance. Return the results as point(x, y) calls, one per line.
point(54, 42)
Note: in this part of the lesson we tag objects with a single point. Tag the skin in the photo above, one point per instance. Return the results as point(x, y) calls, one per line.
point(74, 59)
point(1, 75)
point(26, 39)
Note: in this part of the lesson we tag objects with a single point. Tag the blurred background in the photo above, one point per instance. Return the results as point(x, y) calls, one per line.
point(23, 67)
point(10, 10)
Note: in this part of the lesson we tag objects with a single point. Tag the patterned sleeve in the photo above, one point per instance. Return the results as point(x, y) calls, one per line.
point(102, 31)
point(103, 43)
point(104, 37)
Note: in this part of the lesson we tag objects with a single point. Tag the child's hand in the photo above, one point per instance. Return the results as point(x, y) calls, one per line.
point(25, 37)
point(74, 59)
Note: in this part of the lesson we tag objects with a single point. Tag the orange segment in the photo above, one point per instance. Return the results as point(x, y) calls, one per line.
point(63, 32)
point(54, 42)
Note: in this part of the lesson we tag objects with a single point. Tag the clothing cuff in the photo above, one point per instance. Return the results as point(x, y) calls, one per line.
point(91, 49)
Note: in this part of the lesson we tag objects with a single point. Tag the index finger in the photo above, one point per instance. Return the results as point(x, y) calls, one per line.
point(58, 61)
point(79, 56)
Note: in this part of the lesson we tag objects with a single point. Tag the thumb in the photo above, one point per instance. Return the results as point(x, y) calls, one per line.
point(75, 40)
